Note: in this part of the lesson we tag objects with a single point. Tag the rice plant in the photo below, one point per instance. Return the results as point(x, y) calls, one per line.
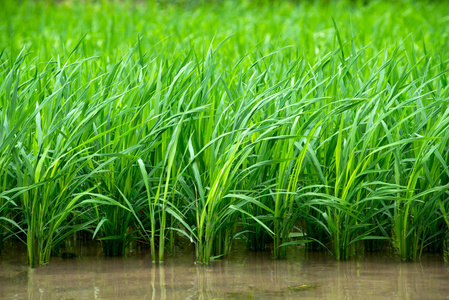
point(219, 121)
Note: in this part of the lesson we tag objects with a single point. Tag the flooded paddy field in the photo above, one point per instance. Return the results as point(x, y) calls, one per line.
point(244, 275)
point(204, 129)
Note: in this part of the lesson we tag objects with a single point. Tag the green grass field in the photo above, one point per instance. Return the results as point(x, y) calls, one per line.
point(319, 123)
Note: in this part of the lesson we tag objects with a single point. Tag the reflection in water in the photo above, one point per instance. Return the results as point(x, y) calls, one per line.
point(242, 276)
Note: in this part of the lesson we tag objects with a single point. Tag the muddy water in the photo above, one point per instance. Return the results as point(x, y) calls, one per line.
point(243, 276)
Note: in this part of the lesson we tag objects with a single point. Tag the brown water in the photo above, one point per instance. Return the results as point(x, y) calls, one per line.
point(243, 276)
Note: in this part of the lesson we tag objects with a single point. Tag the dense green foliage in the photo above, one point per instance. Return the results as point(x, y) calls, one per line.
point(257, 121)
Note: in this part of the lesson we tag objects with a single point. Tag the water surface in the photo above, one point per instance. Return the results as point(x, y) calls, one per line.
point(244, 275)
